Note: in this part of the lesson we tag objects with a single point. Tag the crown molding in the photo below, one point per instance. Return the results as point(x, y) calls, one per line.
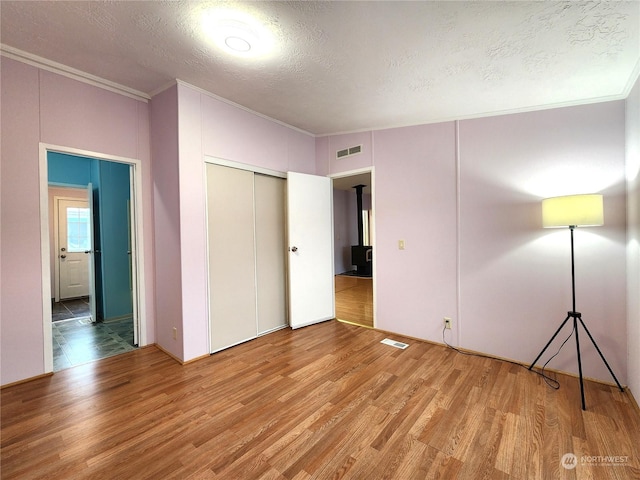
point(162, 88)
point(632, 79)
point(496, 113)
point(69, 72)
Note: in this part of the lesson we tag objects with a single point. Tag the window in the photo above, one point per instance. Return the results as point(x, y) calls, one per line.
point(78, 229)
point(366, 222)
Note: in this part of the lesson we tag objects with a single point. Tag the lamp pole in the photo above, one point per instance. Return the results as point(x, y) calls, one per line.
point(577, 316)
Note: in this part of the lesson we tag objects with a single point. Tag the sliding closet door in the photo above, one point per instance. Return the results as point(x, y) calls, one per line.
point(232, 284)
point(270, 253)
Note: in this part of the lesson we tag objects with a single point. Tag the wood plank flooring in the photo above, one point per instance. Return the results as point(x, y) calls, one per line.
point(324, 402)
point(354, 299)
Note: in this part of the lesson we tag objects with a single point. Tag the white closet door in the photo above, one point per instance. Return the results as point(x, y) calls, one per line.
point(270, 253)
point(232, 276)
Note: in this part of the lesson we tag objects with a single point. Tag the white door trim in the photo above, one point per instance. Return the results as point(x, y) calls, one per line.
point(244, 166)
point(136, 173)
point(372, 227)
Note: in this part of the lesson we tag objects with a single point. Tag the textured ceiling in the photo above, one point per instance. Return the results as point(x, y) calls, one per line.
point(347, 66)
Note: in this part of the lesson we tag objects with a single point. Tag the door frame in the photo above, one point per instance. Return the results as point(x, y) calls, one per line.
point(372, 227)
point(137, 242)
point(56, 240)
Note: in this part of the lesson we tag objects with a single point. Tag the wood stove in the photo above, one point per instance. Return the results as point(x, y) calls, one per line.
point(361, 254)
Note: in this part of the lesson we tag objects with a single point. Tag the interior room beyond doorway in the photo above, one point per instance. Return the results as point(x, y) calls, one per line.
point(354, 299)
point(353, 247)
point(90, 211)
point(79, 340)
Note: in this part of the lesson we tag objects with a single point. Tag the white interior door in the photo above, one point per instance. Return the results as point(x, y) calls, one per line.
point(74, 244)
point(91, 256)
point(310, 237)
point(133, 255)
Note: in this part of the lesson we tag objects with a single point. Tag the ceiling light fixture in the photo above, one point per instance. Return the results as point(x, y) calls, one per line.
point(237, 33)
point(238, 44)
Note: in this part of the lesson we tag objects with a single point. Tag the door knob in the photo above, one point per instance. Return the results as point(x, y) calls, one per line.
point(63, 256)
point(294, 249)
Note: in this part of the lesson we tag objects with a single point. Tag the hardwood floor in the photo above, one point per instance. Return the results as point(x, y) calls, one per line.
point(325, 401)
point(354, 299)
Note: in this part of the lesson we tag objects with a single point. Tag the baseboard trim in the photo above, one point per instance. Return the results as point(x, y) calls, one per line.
point(25, 380)
point(196, 359)
point(632, 399)
point(474, 352)
point(180, 361)
point(168, 353)
point(358, 325)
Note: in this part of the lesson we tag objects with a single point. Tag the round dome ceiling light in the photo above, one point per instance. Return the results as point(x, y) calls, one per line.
point(238, 33)
point(237, 44)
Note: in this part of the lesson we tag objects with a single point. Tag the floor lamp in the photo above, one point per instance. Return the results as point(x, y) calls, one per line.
point(574, 211)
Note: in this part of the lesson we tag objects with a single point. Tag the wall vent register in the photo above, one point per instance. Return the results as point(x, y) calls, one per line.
point(394, 343)
point(349, 151)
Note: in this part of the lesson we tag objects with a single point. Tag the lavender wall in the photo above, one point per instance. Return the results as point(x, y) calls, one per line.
point(415, 198)
point(80, 115)
point(515, 277)
point(633, 237)
point(465, 197)
point(22, 354)
point(323, 157)
point(192, 223)
point(40, 106)
point(206, 126)
point(74, 114)
point(231, 133)
point(355, 162)
point(467, 210)
point(166, 188)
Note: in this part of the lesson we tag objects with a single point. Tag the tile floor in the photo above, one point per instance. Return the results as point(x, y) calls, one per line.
point(78, 341)
point(74, 308)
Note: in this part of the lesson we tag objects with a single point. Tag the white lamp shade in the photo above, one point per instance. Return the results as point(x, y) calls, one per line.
point(572, 210)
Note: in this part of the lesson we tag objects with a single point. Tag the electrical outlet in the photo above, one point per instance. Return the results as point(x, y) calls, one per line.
point(175, 333)
point(447, 323)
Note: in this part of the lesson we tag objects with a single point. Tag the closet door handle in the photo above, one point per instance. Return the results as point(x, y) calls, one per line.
point(294, 249)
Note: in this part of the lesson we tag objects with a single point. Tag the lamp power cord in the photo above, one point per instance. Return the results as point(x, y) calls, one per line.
point(550, 381)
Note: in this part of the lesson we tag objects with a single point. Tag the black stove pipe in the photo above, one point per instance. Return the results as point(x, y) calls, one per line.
point(359, 204)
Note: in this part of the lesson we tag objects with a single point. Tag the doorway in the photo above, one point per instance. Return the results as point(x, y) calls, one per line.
point(90, 258)
point(70, 237)
point(354, 245)
point(74, 242)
